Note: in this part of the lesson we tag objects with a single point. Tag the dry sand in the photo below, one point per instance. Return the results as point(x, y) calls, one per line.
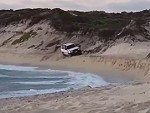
point(136, 50)
point(130, 98)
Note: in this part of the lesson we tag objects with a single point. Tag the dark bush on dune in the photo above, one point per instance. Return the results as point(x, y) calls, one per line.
point(106, 25)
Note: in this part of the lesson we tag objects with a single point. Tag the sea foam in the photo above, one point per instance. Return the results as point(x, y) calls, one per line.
point(33, 81)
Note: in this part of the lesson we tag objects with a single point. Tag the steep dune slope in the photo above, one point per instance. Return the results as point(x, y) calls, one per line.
point(44, 30)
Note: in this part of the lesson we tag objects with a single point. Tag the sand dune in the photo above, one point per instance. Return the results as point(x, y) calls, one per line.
point(137, 50)
point(119, 55)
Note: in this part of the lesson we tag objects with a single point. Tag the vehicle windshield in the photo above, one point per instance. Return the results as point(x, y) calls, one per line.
point(70, 46)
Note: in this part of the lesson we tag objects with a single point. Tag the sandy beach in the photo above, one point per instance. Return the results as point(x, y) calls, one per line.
point(132, 98)
point(131, 95)
point(115, 50)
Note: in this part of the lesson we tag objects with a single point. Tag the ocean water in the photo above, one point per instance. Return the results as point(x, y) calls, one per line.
point(19, 81)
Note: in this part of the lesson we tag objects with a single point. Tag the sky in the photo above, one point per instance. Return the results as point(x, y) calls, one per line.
point(81, 5)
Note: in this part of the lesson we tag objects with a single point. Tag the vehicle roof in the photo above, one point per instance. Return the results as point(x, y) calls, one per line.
point(68, 44)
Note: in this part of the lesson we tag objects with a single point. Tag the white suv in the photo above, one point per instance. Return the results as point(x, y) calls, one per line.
point(70, 49)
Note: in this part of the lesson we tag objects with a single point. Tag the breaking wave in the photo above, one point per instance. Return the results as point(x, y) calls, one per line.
point(18, 81)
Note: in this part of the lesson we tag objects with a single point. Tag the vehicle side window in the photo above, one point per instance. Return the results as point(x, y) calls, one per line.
point(70, 46)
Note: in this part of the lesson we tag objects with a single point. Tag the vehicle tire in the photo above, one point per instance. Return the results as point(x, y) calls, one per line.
point(79, 52)
point(63, 54)
point(70, 55)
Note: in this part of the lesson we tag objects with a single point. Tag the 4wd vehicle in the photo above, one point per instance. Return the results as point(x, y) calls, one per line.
point(70, 49)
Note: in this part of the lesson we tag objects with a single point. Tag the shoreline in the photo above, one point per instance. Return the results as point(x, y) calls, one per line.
point(132, 91)
point(88, 82)
point(103, 100)
point(107, 68)
point(117, 80)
